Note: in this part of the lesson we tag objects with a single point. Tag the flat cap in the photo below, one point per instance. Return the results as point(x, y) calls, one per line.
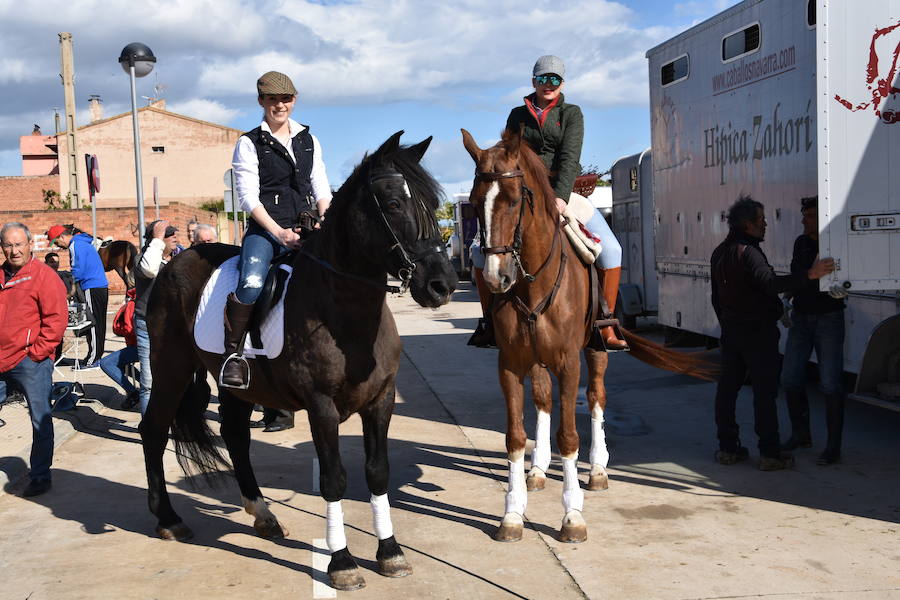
point(549, 64)
point(275, 83)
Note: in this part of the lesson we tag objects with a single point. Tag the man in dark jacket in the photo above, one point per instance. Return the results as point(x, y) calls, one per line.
point(817, 322)
point(34, 315)
point(745, 297)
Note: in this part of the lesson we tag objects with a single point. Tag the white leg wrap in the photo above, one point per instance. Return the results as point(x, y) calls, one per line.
point(540, 456)
point(516, 495)
point(573, 496)
point(381, 516)
point(599, 453)
point(334, 532)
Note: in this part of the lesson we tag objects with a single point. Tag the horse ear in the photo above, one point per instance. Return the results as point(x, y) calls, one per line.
point(514, 139)
point(390, 145)
point(418, 151)
point(470, 145)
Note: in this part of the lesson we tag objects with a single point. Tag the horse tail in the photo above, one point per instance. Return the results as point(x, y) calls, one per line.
point(693, 364)
point(195, 445)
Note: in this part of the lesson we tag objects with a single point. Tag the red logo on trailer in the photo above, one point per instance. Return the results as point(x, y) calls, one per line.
point(881, 88)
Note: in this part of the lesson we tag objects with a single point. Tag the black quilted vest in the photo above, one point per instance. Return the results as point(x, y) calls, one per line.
point(285, 188)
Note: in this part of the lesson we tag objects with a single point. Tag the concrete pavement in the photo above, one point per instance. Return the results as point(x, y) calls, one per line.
point(674, 524)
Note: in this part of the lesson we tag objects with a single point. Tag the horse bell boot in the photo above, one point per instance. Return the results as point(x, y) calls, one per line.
point(798, 409)
point(235, 371)
point(610, 293)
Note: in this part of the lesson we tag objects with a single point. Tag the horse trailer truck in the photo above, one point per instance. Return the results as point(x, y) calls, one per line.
point(782, 100)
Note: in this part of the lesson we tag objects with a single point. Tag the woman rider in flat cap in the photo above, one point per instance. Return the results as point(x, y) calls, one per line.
point(279, 173)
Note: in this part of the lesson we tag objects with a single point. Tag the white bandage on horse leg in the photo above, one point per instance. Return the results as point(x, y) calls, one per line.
point(381, 516)
point(540, 456)
point(334, 528)
point(573, 496)
point(599, 452)
point(516, 495)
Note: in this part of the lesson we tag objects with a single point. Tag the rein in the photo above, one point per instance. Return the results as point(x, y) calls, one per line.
point(530, 314)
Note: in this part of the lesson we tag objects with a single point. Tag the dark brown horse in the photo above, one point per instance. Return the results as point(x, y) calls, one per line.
point(340, 357)
point(119, 256)
point(542, 318)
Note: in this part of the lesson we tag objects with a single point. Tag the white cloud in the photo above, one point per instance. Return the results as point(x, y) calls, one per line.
point(205, 109)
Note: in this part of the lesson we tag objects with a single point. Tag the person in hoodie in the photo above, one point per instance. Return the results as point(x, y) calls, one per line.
point(88, 271)
point(34, 314)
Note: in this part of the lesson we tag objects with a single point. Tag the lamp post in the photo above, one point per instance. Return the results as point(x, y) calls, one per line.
point(137, 60)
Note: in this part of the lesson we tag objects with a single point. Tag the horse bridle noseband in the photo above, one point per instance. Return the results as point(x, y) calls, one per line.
point(527, 197)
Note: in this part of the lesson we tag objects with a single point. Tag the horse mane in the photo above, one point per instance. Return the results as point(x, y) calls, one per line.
point(422, 187)
point(530, 162)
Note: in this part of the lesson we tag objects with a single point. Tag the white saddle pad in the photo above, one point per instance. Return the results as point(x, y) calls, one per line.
point(209, 324)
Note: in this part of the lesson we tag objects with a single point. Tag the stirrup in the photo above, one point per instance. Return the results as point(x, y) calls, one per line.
point(598, 342)
point(245, 368)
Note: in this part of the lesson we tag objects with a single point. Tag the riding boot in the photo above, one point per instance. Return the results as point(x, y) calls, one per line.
point(798, 409)
point(235, 372)
point(484, 331)
point(834, 420)
point(610, 293)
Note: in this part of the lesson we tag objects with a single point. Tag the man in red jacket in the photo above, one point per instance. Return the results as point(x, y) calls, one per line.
point(34, 315)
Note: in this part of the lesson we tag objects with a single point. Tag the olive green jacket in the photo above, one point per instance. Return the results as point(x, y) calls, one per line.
point(558, 142)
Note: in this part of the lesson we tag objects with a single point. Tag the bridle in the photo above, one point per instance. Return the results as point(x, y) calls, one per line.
point(426, 224)
point(530, 314)
point(527, 197)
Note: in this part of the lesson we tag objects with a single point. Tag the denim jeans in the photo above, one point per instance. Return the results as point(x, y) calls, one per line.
point(823, 333)
point(257, 251)
point(143, 352)
point(36, 380)
point(114, 366)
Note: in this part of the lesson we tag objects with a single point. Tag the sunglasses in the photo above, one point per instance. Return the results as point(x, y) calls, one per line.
point(551, 79)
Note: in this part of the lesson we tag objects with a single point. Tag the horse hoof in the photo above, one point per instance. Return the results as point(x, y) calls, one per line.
point(347, 580)
point(574, 529)
point(535, 482)
point(395, 566)
point(178, 532)
point(510, 530)
point(270, 529)
point(598, 482)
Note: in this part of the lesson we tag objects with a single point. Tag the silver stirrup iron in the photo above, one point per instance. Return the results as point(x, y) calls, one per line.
point(246, 365)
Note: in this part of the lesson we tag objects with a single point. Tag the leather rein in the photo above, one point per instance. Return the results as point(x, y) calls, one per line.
point(530, 314)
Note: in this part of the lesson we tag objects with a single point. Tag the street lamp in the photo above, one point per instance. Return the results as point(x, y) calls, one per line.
point(137, 60)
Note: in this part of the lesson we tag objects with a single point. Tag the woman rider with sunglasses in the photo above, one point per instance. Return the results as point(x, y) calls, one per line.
point(279, 174)
point(554, 129)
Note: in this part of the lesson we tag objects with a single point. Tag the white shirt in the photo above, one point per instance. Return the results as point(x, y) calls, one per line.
point(246, 168)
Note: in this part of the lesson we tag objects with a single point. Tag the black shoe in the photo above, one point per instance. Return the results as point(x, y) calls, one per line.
point(258, 424)
point(776, 463)
point(726, 457)
point(36, 487)
point(829, 457)
point(483, 336)
point(131, 400)
point(279, 425)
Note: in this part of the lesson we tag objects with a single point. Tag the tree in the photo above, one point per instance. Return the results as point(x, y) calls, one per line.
point(53, 201)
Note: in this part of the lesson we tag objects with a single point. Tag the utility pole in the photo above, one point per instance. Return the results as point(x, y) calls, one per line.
point(68, 81)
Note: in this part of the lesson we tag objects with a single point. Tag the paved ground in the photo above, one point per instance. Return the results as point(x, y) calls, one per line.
point(673, 525)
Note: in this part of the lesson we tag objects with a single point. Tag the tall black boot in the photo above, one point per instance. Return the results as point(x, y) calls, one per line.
point(834, 419)
point(235, 371)
point(798, 409)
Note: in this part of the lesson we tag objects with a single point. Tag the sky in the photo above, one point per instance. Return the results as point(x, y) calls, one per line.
point(364, 69)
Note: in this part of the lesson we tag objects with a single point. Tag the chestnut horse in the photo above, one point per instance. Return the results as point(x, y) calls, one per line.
point(120, 256)
point(542, 320)
point(340, 358)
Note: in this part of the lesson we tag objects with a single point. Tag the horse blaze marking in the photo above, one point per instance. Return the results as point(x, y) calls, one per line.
point(320, 559)
point(492, 262)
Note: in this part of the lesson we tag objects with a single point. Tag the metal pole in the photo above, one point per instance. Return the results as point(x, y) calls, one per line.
point(137, 155)
point(156, 195)
point(93, 197)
